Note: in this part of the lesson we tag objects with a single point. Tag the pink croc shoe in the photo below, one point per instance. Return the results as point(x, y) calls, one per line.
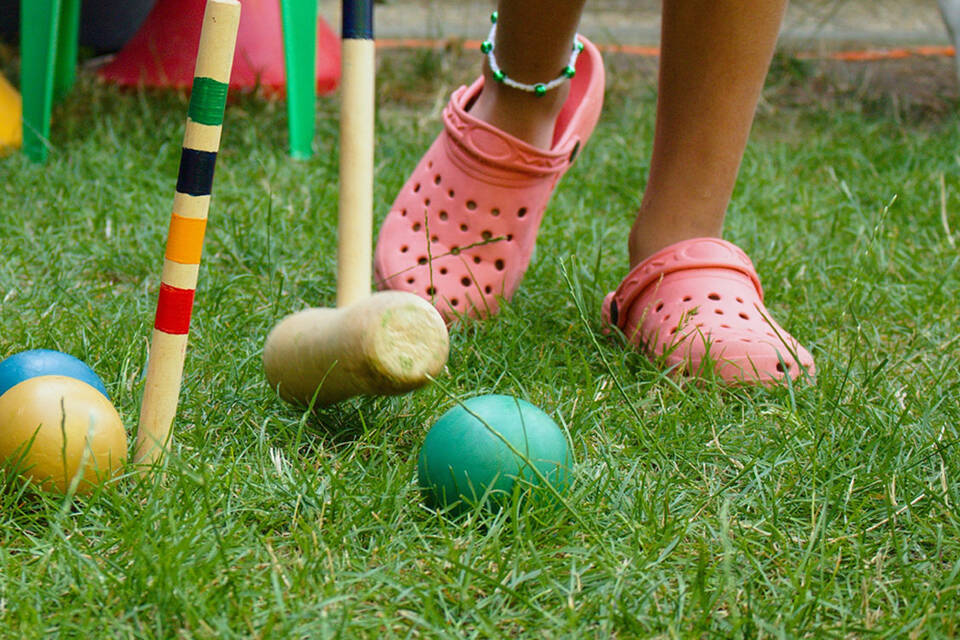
point(462, 230)
point(703, 296)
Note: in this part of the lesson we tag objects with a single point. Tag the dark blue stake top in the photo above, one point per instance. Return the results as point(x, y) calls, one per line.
point(357, 19)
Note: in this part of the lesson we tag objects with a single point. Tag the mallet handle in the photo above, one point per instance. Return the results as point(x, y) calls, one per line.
point(188, 221)
point(355, 226)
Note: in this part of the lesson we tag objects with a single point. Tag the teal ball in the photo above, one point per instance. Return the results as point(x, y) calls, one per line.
point(481, 449)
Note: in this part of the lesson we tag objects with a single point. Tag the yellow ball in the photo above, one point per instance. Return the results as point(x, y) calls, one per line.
point(74, 430)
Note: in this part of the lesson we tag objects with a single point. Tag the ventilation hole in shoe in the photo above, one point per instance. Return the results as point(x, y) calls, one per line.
point(465, 281)
point(486, 235)
point(718, 341)
point(426, 202)
point(771, 335)
point(450, 193)
point(476, 259)
point(499, 264)
point(416, 226)
point(699, 325)
point(416, 188)
point(464, 228)
point(659, 306)
point(434, 238)
point(454, 251)
point(739, 299)
point(429, 164)
point(422, 260)
point(687, 298)
point(522, 212)
point(404, 249)
point(495, 212)
point(714, 296)
point(437, 179)
point(431, 291)
point(674, 330)
point(488, 289)
point(509, 237)
point(454, 301)
point(719, 312)
point(403, 213)
point(724, 326)
point(666, 317)
point(443, 271)
point(781, 368)
point(471, 205)
point(745, 340)
point(744, 316)
point(410, 280)
point(443, 215)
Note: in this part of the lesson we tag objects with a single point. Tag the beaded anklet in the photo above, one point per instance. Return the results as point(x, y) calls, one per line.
point(540, 88)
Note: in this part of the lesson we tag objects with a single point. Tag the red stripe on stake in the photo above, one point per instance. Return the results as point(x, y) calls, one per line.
point(174, 306)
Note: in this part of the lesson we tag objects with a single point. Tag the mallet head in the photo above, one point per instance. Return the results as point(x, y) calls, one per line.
point(384, 344)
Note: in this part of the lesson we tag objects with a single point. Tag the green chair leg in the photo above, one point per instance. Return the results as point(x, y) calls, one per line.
point(300, 55)
point(67, 36)
point(48, 59)
point(39, 27)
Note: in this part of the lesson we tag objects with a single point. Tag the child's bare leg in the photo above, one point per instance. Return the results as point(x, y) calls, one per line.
point(462, 229)
point(533, 45)
point(715, 56)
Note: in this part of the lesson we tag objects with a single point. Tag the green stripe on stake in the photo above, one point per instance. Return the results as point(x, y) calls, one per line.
point(207, 101)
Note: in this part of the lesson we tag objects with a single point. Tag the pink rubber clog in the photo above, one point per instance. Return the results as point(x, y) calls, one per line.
point(462, 229)
point(700, 297)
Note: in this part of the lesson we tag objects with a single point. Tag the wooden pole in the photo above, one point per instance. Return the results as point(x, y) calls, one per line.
point(188, 222)
point(355, 222)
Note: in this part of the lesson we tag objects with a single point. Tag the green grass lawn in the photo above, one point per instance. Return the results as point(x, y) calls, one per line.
point(805, 511)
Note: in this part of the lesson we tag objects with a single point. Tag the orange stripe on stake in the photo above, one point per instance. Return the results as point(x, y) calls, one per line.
point(185, 239)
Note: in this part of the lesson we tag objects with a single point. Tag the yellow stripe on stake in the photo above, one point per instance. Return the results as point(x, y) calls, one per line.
point(202, 137)
point(191, 206)
point(218, 43)
point(181, 276)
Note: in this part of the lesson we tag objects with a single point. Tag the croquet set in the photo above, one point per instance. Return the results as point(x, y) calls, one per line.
point(59, 427)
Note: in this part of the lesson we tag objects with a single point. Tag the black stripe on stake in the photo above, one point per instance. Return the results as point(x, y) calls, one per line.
point(357, 19)
point(196, 172)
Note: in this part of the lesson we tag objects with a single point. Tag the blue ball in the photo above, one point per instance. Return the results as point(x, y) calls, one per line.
point(46, 362)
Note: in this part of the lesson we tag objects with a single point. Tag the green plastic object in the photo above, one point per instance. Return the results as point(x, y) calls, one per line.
point(48, 57)
point(68, 33)
point(480, 449)
point(299, 19)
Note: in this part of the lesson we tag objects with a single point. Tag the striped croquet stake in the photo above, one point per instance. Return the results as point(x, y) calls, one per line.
point(187, 224)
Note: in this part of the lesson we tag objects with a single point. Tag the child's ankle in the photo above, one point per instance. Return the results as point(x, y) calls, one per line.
point(649, 235)
point(524, 115)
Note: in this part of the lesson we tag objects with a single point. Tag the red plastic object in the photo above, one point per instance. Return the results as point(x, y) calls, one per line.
point(163, 52)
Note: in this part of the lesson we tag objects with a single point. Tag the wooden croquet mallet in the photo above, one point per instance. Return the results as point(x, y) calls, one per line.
point(181, 264)
point(381, 344)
